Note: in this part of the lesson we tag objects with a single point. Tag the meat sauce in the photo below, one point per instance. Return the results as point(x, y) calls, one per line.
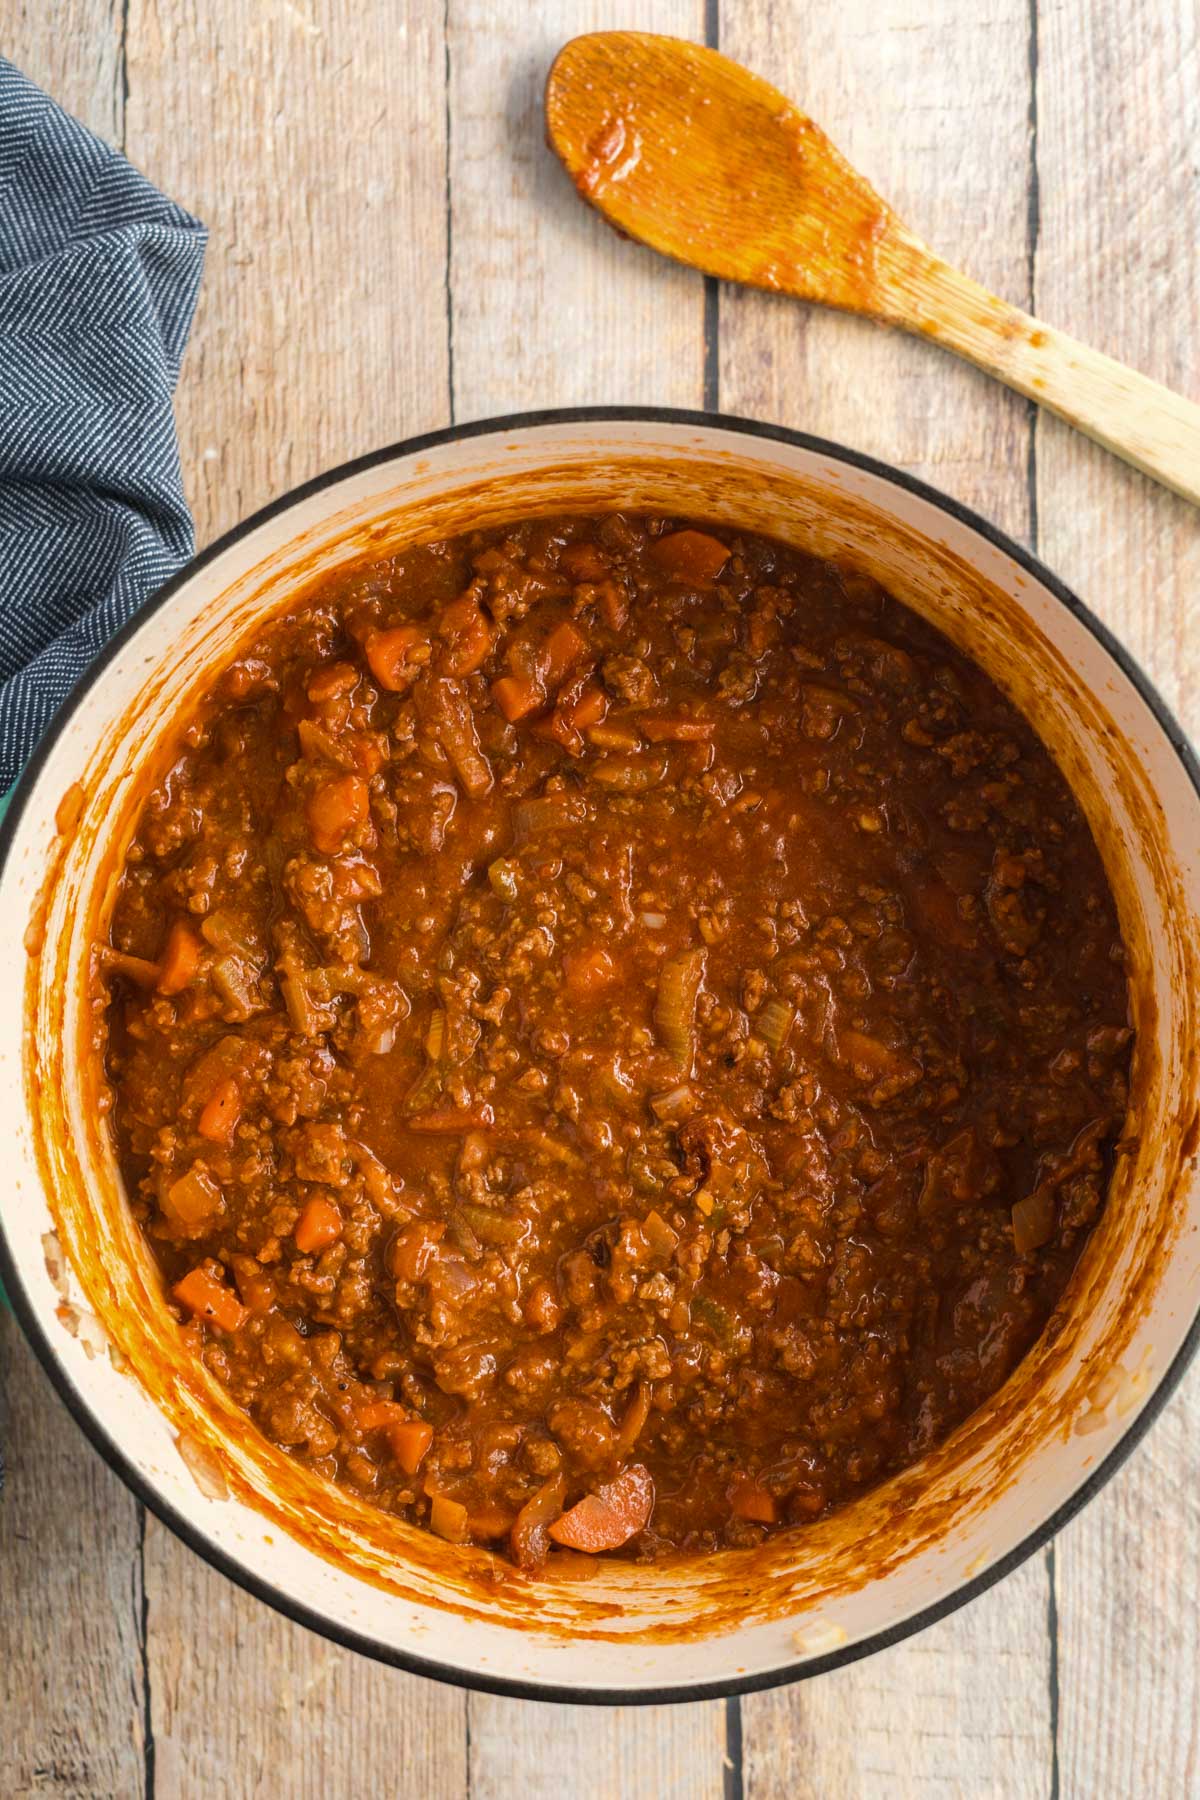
point(616, 1035)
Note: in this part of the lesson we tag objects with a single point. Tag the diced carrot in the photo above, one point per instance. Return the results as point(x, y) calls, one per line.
point(590, 707)
point(258, 1293)
point(180, 963)
point(611, 1516)
point(613, 602)
point(220, 1113)
point(588, 971)
point(336, 809)
point(192, 1200)
point(210, 1300)
point(319, 1225)
point(690, 555)
point(584, 562)
point(517, 696)
point(449, 1519)
point(490, 1522)
point(563, 651)
point(409, 1443)
point(609, 735)
point(374, 1415)
point(368, 757)
point(334, 679)
point(751, 1501)
point(677, 730)
point(445, 1121)
point(557, 728)
point(395, 656)
point(468, 634)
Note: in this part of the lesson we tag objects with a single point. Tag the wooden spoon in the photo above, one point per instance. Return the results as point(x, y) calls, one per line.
point(693, 155)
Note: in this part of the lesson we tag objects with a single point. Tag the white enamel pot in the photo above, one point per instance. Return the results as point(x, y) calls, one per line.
point(91, 1301)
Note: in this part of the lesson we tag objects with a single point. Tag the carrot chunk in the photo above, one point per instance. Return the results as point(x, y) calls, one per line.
point(374, 1415)
point(590, 707)
point(611, 1516)
point(449, 1519)
point(661, 729)
point(220, 1113)
point(409, 1443)
point(751, 1501)
point(584, 562)
point(336, 809)
point(190, 1202)
point(468, 634)
point(690, 555)
point(395, 656)
point(180, 962)
point(563, 651)
point(588, 971)
point(517, 696)
point(210, 1300)
point(319, 1225)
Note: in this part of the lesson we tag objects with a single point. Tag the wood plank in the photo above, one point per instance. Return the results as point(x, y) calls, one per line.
point(546, 1752)
point(71, 1688)
point(82, 68)
point(1118, 122)
point(961, 1709)
point(932, 105)
point(245, 1703)
point(551, 308)
point(310, 139)
point(71, 1683)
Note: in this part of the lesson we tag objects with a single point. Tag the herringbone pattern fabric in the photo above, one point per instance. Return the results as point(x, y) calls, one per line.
point(98, 280)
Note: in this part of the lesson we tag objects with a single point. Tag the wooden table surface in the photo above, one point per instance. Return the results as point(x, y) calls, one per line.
point(393, 248)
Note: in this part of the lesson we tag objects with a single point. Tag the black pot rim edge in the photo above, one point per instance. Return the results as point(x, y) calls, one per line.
point(265, 1590)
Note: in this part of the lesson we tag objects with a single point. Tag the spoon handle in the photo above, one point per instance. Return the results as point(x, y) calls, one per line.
point(1136, 418)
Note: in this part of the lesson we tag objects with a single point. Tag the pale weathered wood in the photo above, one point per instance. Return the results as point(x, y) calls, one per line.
point(931, 104)
point(543, 1752)
point(71, 1675)
point(961, 1709)
point(246, 1704)
point(309, 136)
point(550, 307)
point(81, 66)
point(1118, 124)
point(71, 1692)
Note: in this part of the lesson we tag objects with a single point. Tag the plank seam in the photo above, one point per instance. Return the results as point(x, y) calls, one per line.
point(148, 1746)
point(1033, 236)
point(712, 288)
point(449, 223)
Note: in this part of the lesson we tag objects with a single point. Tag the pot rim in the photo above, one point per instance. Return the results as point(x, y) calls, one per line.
point(111, 1451)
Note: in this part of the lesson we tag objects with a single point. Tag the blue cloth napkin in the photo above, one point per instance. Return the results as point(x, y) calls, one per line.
point(98, 280)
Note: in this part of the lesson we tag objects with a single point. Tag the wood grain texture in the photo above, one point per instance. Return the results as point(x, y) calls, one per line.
point(960, 1709)
point(72, 1696)
point(1118, 124)
point(551, 308)
point(246, 1704)
point(310, 138)
point(309, 135)
point(71, 1670)
point(544, 1752)
point(365, 268)
point(931, 104)
point(82, 65)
